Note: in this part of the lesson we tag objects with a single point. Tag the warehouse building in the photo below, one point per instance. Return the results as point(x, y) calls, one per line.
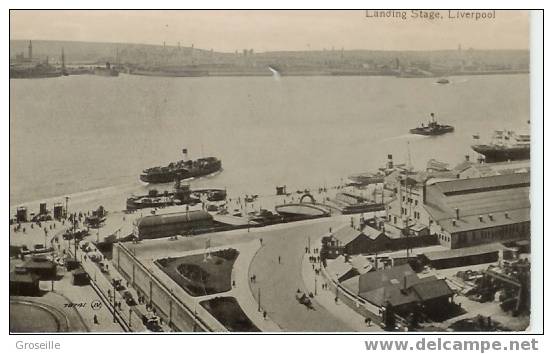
point(465, 212)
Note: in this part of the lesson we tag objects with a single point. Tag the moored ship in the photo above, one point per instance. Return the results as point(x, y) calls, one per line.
point(366, 178)
point(506, 145)
point(106, 71)
point(182, 195)
point(433, 128)
point(183, 169)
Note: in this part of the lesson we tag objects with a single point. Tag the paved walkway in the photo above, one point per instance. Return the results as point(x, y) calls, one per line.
point(277, 283)
point(326, 298)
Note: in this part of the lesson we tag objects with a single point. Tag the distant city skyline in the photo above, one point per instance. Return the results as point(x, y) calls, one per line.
point(228, 31)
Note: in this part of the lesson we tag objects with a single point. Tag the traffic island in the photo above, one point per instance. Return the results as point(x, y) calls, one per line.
point(201, 274)
point(227, 311)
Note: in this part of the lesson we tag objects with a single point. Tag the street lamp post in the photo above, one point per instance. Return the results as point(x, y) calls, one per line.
point(315, 285)
point(259, 299)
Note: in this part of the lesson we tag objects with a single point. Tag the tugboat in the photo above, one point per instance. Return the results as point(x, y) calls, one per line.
point(183, 169)
point(506, 145)
point(443, 81)
point(433, 128)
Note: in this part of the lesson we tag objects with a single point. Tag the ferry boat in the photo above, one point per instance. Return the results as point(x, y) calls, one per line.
point(506, 145)
point(443, 81)
point(182, 195)
point(433, 128)
point(183, 169)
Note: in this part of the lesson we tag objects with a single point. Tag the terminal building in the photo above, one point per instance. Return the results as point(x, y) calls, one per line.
point(464, 212)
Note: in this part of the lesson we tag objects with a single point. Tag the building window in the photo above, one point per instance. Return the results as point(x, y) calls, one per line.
point(416, 202)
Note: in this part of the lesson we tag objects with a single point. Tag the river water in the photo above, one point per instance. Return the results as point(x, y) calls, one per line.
point(86, 135)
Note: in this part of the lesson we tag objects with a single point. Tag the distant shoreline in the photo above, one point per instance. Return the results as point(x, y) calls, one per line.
point(204, 73)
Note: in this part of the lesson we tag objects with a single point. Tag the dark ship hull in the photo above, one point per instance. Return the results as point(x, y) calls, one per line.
point(364, 179)
point(182, 170)
point(106, 72)
point(500, 153)
point(443, 129)
point(181, 196)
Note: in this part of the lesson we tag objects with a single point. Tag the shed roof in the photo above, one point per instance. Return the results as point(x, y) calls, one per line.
point(464, 252)
point(28, 277)
point(38, 263)
point(173, 218)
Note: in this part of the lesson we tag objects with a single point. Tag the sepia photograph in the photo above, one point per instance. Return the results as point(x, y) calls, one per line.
point(305, 171)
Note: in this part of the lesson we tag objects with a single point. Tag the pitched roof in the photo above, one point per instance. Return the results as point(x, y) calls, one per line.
point(429, 290)
point(372, 233)
point(469, 185)
point(393, 294)
point(338, 267)
point(384, 277)
point(480, 196)
point(474, 222)
point(346, 234)
point(361, 264)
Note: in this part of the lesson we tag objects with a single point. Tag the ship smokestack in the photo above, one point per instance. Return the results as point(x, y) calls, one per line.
point(467, 158)
point(185, 153)
point(390, 161)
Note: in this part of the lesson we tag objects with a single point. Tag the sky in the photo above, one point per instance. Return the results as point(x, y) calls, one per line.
point(268, 30)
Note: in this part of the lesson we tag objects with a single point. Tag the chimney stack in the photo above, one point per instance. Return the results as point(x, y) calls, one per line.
point(454, 222)
point(467, 158)
point(490, 216)
point(481, 218)
point(457, 213)
point(506, 215)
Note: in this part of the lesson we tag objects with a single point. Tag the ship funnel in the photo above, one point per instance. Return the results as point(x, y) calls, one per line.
point(185, 153)
point(390, 161)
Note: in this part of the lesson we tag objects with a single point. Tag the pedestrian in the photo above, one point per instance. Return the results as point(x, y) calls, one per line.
point(264, 314)
point(336, 300)
point(278, 259)
point(313, 266)
point(233, 284)
point(368, 321)
point(306, 249)
point(96, 319)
